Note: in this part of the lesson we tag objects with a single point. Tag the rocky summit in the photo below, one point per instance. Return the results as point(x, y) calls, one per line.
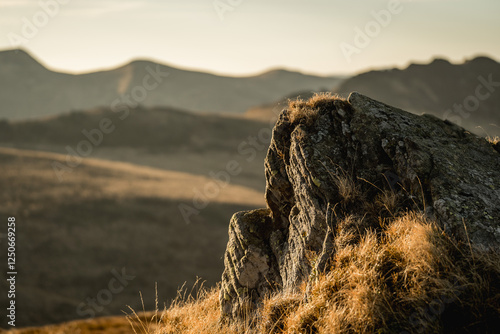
point(331, 159)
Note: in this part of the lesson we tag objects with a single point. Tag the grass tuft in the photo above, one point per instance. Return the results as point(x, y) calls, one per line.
point(493, 140)
point(407, 276)
point(306, 112)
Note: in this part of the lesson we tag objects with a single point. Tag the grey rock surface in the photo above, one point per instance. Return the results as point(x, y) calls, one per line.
point(330, 159)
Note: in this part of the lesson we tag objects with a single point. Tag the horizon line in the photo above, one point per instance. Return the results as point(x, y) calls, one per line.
point(248, 75)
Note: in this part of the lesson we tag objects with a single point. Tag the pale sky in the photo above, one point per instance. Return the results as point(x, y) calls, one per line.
point(250, 36)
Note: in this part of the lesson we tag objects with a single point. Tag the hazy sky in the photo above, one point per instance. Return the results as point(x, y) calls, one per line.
point(249, 36)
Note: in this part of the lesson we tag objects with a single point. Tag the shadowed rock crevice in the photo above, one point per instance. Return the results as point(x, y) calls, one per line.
point(331, 159)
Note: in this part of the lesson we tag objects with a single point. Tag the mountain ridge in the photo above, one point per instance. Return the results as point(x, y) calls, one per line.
point(466, 93)
point(439, 88)
point(29, 89)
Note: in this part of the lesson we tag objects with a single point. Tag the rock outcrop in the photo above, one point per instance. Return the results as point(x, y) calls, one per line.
point(330, 159)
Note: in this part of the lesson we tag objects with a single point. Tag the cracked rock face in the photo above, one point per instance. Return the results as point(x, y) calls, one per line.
point(250, 267)
point(334, 159)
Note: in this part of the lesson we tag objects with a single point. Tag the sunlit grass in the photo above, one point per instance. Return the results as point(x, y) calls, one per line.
point(408, 277)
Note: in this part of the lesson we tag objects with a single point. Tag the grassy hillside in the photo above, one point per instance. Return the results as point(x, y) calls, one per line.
point(107, 216)
point(409, 278)
point(156, 137)
point(163, 129)
point(103, 325)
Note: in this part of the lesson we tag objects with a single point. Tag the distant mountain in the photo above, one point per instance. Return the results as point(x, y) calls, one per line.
point(28, 89)
point(448, 91)
point(467, 94)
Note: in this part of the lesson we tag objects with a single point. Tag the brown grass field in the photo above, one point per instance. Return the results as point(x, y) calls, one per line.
point(104, 216)
point(412, 278)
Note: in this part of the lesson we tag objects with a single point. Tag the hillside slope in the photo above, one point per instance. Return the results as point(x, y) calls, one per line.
point(375, 223)
point(163, 129)
point(102, 325)
point(28, 89)
point(157, 137)
point(74, 236)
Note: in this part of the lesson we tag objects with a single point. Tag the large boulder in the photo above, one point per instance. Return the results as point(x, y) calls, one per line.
point(330, 159)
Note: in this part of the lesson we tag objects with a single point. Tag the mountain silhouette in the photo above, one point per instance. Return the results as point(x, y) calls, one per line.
point(28, 89)
point(467, 94)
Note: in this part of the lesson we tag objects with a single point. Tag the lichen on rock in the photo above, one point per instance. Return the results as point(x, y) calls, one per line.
point(330, 159)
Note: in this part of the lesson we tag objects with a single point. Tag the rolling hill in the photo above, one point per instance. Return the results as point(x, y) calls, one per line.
point(106, 218)
point(28, 89)
point(163, 138)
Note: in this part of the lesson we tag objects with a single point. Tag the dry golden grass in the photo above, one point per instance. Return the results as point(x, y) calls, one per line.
point(187, 315)
point(387, 200)
point(307, 111)
point(407, 276)
point(347, 188)
point(136, 180)
point(103, 325)
point(493, 140)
